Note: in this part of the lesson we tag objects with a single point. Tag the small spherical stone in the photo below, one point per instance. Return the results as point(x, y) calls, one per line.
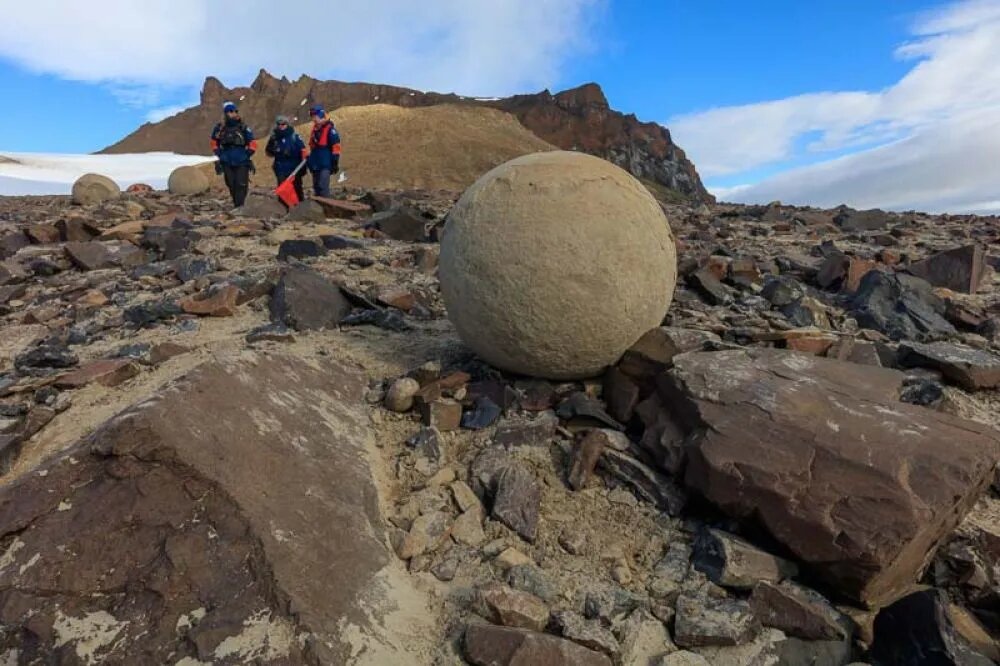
point(399, 398)
point(554, 264)
point(93, 188)
point(188, 180)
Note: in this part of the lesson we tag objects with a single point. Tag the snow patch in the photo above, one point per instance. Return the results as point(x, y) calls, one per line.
point(91, 632)
point(54, 173)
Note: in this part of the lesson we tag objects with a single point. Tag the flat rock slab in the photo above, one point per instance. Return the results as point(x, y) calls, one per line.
point(959, 269)
point(230, 518)
point(969, 368)
point(489, 645)
point(859, 487)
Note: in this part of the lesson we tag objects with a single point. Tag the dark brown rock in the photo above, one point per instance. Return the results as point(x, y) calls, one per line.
point(648, 484)
point(960, 269)
point(402, 223)
point(76, 229)
point(859, 487)
point(970, 368)
point(517, 500)
point(538, 431)
point(490, 645)
point(797, 611)
point(305, 300)
point(89, 255)
point(185, 515)
point(12, 242)
point(733, 562)
point(513, 608)
point(442, 413)
point(709, 287)
point(585, 456)
point(621, 394)
point(43, 233)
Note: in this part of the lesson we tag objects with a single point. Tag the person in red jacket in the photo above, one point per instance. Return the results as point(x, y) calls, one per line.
point(324, 151)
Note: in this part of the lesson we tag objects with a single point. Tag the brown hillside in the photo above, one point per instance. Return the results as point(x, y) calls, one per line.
point(577, 119)
point(444, 147)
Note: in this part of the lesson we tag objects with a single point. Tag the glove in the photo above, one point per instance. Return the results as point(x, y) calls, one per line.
point(218, 167)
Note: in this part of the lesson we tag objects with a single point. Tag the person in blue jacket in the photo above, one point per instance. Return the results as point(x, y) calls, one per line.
point(288, 151)
point(234, 145)
point(324, 151)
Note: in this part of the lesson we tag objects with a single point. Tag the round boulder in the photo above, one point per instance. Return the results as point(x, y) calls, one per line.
point(188, 180)
point(92, 188)
point(554, 264)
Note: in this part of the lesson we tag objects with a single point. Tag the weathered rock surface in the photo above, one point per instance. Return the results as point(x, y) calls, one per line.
point(546, 315)
point(161, 538)
point(859, 487)
point(730, 561)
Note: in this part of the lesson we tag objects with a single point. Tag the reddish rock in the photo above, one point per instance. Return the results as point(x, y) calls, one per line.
point(218, 303)
point(490, 645)
point(859, 487)
point(107, 372)
point(960, 269)
point(139, 188)
point(397, 297)
point(857, 269)
point(442, 413)
point(94, 298)
point(165, 351)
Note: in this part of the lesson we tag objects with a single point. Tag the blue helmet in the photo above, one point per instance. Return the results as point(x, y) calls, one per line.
point(229, 106)
point(318, 111)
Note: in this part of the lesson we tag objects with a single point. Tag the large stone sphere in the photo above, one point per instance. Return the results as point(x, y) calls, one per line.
point(188, 180)
point(93, 188)
point(554, 264)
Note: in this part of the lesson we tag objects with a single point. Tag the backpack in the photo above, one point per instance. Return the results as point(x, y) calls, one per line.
point(233, 136)
point(283, 146)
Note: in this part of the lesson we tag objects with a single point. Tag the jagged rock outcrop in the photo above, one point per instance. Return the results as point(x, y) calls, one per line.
point(576, 119)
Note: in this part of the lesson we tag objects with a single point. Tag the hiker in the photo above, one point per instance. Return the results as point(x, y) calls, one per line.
point(288, 151)
point(234, 145)
point(324, 151)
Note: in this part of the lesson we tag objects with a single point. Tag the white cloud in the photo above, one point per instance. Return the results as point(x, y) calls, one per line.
point(928, 141)
point(475, 47)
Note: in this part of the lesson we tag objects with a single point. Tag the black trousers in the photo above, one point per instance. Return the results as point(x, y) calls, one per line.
point(238, 182)
point(282, 174)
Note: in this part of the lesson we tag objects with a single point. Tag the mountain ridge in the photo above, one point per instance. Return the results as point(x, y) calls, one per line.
point(579, 118)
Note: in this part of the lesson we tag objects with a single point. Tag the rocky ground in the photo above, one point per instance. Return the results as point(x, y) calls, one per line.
point(797, 468)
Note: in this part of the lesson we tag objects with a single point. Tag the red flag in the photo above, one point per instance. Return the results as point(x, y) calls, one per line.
point(286, 192)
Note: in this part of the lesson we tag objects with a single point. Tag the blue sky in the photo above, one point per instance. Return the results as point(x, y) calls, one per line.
point(757, 92)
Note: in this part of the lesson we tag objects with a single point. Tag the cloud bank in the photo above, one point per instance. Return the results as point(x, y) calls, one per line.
point(930, 141)
point(477, 48)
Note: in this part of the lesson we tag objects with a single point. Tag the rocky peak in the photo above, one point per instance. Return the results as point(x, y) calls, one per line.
point(576, 119)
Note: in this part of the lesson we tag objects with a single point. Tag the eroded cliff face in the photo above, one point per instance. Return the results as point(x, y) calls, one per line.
point(576, 119)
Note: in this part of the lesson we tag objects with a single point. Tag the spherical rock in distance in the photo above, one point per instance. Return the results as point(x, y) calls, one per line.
point(92, 188)
point(554, 264)
point(188, 180)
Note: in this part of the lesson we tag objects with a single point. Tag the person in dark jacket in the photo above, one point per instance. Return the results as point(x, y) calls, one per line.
point(324, 151)
point(288, 151)
point(233, 143)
